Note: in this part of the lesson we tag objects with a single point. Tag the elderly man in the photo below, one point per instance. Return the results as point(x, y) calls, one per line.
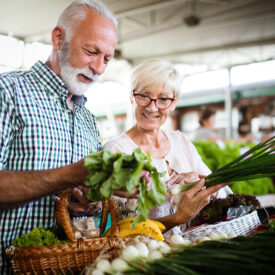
point(45, 130)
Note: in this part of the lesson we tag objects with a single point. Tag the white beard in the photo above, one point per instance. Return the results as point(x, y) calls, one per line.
point(69, 74)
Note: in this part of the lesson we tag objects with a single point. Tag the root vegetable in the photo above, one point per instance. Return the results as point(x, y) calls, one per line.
point(142, 249)
point(130, 253)
point(165, 249)
point(96, 272)
point(103, 265)
point(155, 255)
point(203, 239)
point(222, 235)
point(231, 235)
point(179, 240)
point(153, 245)
point(175, 190)
point(119, 265)
point(213, 236)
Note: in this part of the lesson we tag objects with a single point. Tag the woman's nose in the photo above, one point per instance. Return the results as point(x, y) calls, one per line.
point(152, 106)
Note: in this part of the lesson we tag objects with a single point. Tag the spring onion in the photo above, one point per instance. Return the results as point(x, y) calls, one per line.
point(258, 162)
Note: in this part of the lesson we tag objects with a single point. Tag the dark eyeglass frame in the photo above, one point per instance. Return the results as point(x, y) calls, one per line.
point(154, 100)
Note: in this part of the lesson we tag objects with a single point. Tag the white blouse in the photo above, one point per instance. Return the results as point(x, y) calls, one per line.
point(181, 158)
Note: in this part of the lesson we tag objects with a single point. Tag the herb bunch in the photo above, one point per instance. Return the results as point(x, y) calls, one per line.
point(258, 162)
point(114, 171)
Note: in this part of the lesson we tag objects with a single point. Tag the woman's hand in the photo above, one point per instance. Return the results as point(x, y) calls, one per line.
point(194, 200)
point(183, 178)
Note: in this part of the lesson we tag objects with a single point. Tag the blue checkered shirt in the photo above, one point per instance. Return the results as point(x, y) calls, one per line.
point(38, 131)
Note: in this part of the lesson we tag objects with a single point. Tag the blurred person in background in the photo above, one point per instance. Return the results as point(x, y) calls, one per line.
point(207, 132)
point(45, 130)
point(155, 88)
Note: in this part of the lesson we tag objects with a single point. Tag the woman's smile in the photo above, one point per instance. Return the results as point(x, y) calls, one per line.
point(148, 116)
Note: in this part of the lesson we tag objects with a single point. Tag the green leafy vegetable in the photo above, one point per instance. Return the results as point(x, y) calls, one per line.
point(37, 237)
point(114, 171)
point(258, 162)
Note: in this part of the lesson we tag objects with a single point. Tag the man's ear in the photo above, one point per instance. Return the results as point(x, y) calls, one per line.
point(58, 37)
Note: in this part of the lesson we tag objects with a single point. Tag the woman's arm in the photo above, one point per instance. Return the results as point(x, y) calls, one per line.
point(191, 203)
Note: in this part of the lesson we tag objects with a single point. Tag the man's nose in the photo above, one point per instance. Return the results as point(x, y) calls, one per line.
point(98, 65)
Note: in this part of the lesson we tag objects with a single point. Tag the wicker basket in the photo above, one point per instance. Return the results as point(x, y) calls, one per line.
point(240, 227)
point(72, 257)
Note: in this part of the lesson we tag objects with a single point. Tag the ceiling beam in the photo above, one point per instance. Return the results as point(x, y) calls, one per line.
point(177, 22)
point(230, 46)
point(210, 11)
point(155, 6)
point(151, 29)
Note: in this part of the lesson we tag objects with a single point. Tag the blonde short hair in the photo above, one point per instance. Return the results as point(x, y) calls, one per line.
point(155, 73)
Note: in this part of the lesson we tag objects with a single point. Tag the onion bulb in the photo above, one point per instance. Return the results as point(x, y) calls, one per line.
point(153, 245)
point(142, 249)
point(175, 190)
point(213, 236)
point(179, 240)
point(165, 248)
point(129, 253)
point(155, 255)
point(96, 272)
point(119, 265)
point(231, 235)
point(222, 235)
point(103, 265)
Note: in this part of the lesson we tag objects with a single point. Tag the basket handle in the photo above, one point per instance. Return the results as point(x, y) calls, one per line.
point(63, 217)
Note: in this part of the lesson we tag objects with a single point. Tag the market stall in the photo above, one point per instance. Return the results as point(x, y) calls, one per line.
point(224, 238)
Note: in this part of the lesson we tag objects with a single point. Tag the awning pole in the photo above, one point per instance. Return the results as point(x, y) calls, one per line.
point(228, 106)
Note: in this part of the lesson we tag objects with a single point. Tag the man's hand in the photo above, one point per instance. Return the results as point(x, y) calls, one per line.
point(83, 207)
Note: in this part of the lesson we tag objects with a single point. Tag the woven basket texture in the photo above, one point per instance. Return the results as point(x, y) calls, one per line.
point(72, 257)
point(240, 227)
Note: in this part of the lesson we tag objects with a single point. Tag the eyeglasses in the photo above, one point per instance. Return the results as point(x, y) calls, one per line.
point(145, 100)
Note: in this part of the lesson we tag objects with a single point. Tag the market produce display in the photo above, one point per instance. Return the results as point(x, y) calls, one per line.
point(114, 171)
point(258, 162)
point(212, 254)
point(215, 157)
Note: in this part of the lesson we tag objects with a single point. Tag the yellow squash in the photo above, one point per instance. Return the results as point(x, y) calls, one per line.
point(148, 228)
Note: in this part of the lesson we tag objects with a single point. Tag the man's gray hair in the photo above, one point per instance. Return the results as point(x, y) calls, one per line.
point(77, 11)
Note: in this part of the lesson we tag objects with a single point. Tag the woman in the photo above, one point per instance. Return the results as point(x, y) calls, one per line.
point(155, 89)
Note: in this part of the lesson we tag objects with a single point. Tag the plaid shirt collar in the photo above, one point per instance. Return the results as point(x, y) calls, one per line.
point(53, 83)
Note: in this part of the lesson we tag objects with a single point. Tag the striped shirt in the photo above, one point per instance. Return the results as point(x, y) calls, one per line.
point(38, 131)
